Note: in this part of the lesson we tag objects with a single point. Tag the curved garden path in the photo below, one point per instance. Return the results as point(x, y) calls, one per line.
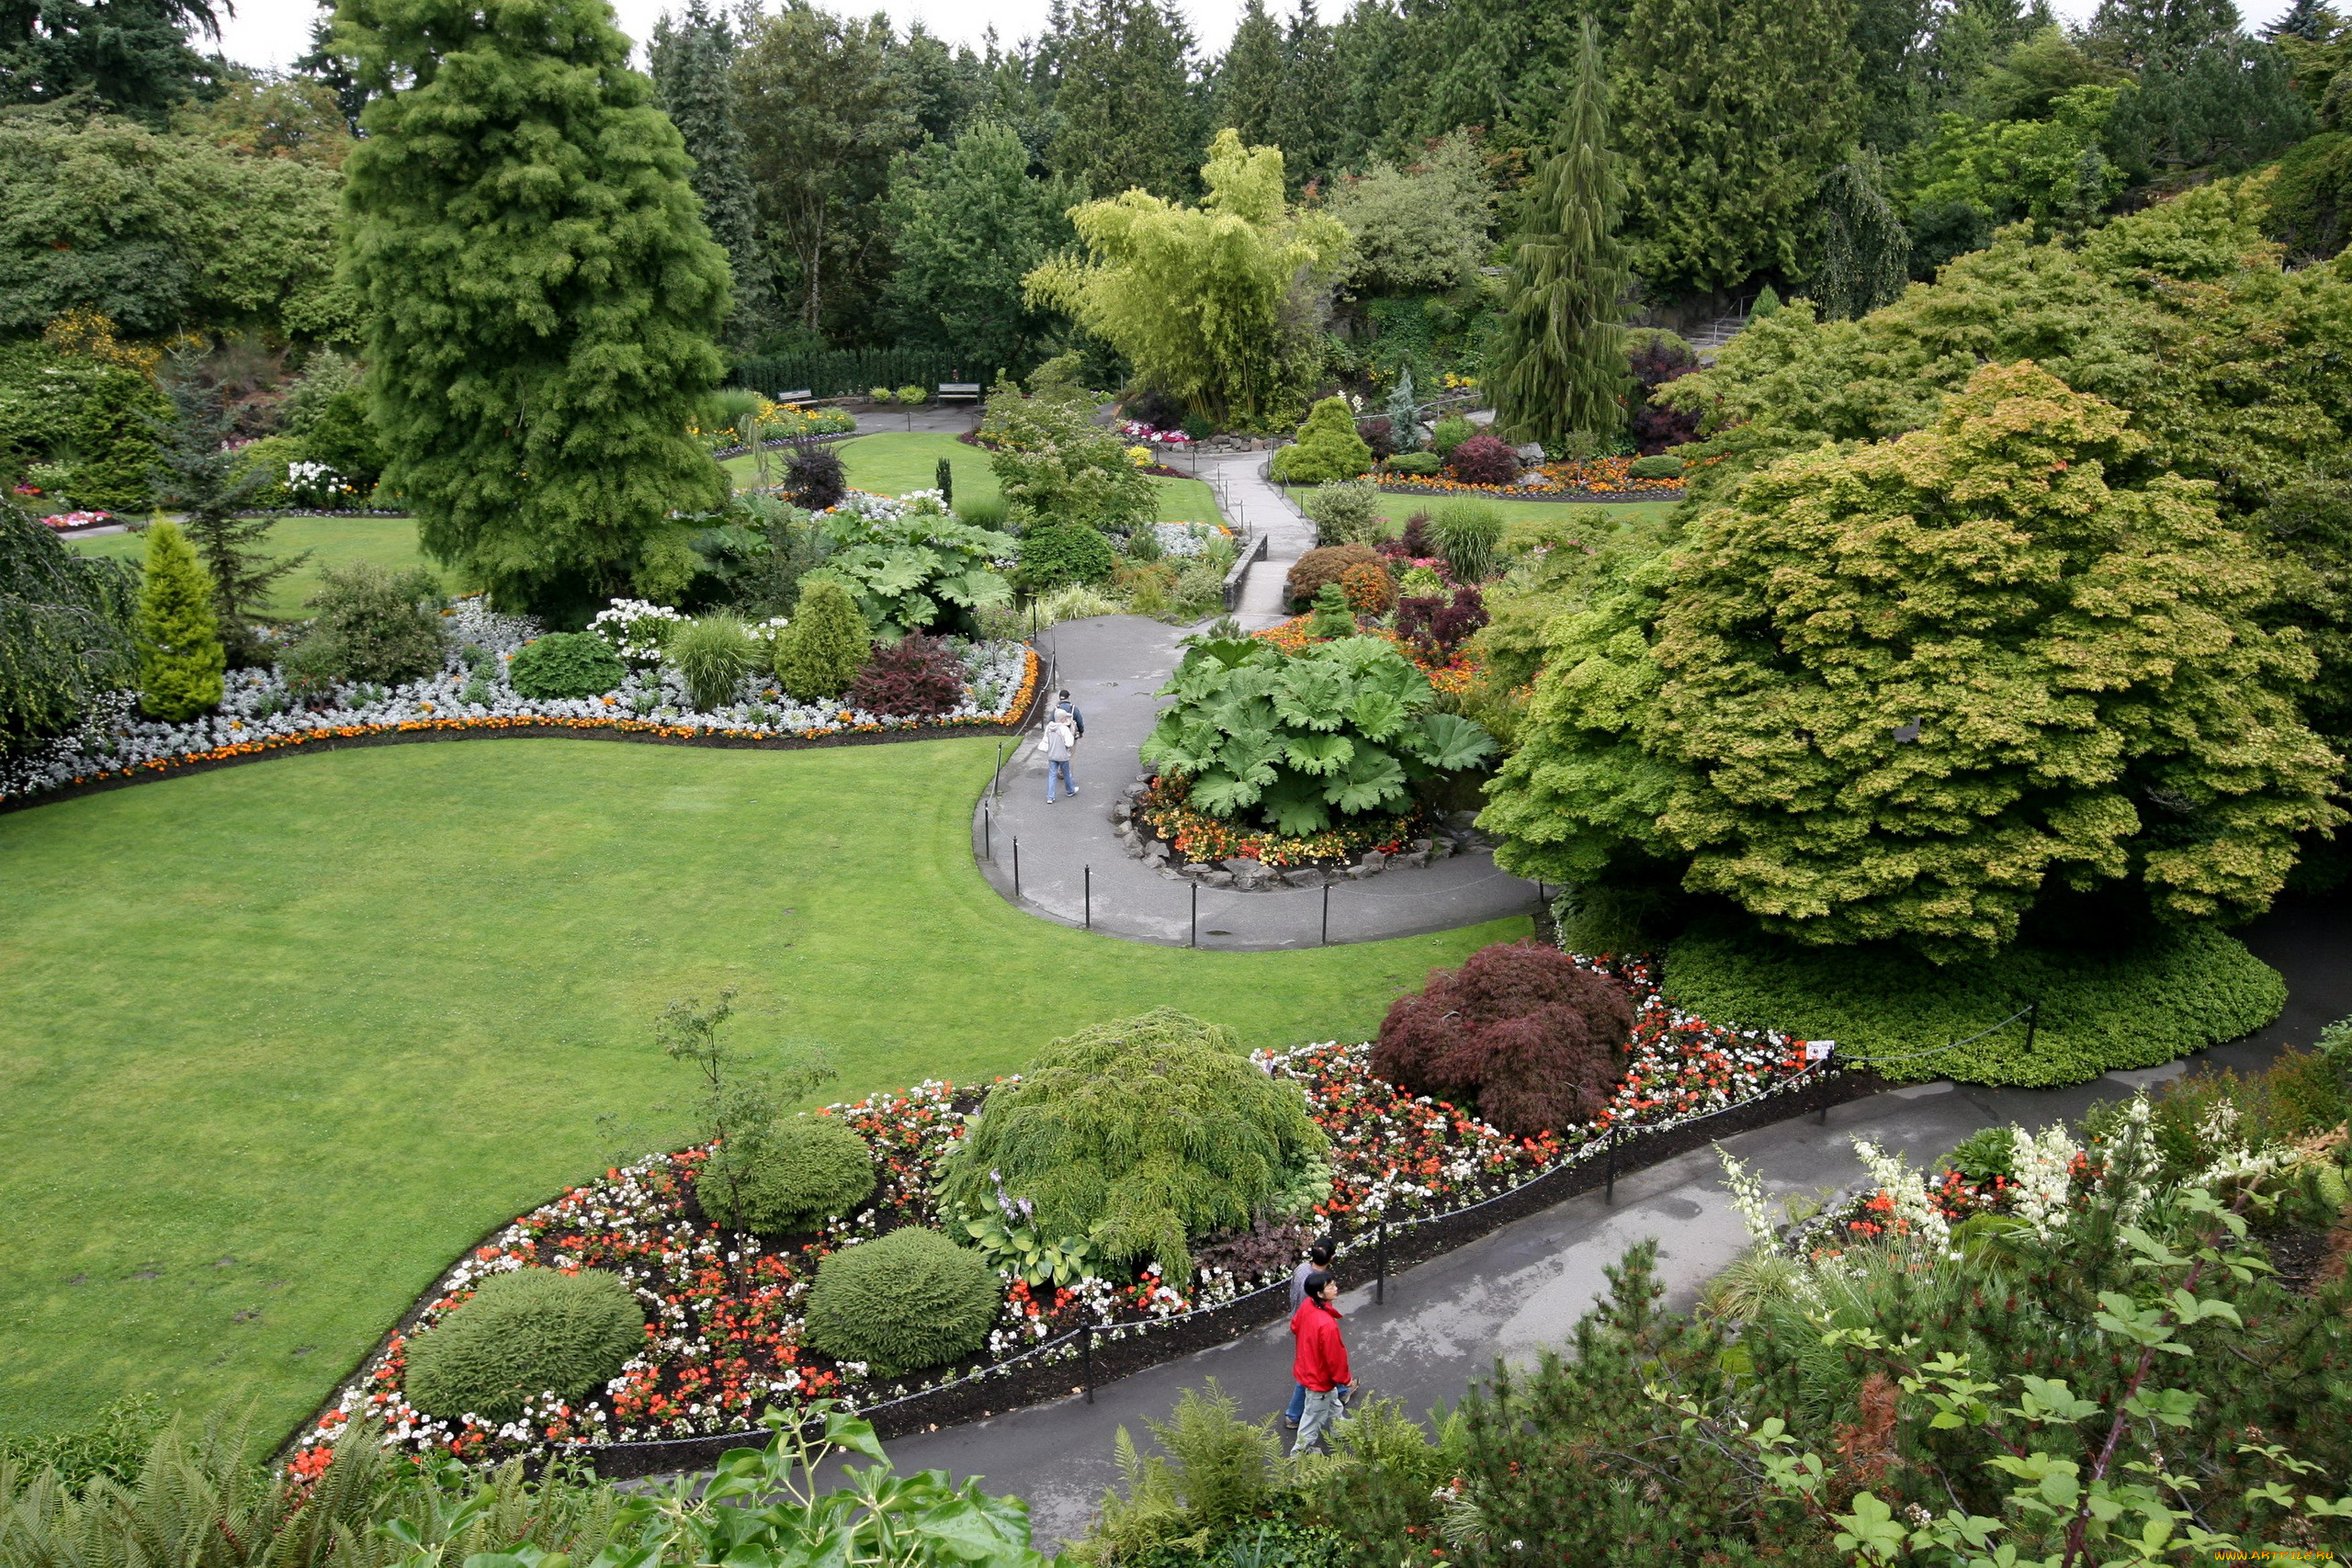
point(1445, 1323)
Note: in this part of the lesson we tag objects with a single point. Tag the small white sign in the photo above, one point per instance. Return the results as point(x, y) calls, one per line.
point(1818, 1050)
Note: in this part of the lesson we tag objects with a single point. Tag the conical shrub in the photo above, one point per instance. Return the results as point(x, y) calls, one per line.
point(180, 656)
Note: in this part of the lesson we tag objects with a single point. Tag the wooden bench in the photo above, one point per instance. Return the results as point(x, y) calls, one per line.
point(959, 391)
point(803, 396)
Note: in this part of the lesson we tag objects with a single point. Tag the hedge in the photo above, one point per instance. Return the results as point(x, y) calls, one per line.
point(2164, 996)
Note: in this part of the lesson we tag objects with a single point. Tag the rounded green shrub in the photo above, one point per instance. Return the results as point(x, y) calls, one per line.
point(1328, 449)
point(906, 1301)
point(1448, 434)
point(805, 1171)
point(1157, 1128)
point(535, 1331)
point(565, 666)
point(1663, 466)
point(1420, 465)
point(1053, 555)
point(820, 653)
point(1347, 513)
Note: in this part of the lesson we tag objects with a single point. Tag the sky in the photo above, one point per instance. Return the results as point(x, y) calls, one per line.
point(271, 33)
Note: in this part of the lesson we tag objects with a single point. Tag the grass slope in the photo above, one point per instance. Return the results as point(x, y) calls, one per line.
point(277, 1042)
point(389, 542)
point(893, 465)
point(1593, 520)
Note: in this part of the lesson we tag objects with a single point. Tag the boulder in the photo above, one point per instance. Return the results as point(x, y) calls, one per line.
point(1441, 848)
point(1530, 454)
point(1244, 866)
point(1461, 821)
point(1220, 879)
point(1417, 860)
point(1373, 860)
point(1305, 876)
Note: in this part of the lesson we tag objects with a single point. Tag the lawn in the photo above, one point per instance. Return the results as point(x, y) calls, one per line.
point(279, 1041)
point(389, 542)
point(1616, 514)
point(893, 465)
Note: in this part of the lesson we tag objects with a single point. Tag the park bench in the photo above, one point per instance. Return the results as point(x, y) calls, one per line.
point(803, 396)
point(959, 391)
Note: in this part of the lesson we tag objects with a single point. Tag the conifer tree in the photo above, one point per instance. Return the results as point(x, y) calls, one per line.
point(1729, 113)
point(541, 292)
point(1865, 248)
point(1129, 113)
point(1373, 101)
point(1561, 355)
point(825, 646)
point(180, 657)
point(197, 472)
point(1251, 79)
point(1304, 127)
point(691, 59)
point(65, 629)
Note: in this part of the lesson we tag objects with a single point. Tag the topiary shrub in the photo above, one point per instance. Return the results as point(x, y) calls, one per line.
point(1466, 533)
point(1368, 588)
point(1158, 1129)
point(520, 1336)
point(713, 654)
point(565, 666)
point(1310, 571)
point(1345, 514)
point(1448, 434)
point(1053, 555)
point(915, 677)
point(903, 1302)
point(1661, 466)
point(814, 478)
point(1419, 465)
point(1484, 460)
point(1533, 1038)
point(804, 1171)
point(819, 654)
point(368, 625)
point(1328, 449)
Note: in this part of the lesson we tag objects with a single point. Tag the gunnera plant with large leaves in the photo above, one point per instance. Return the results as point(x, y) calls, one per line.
point(913, 566)
point(1301, 741)
point(1158, 1129)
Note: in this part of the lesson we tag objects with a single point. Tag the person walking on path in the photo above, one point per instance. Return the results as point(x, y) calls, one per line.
point(1061, 742)
point(1321, 1359)
point(1064, 708)
point(1318, 1260)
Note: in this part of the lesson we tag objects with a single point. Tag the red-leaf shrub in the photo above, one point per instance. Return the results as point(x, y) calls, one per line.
point(1485, 460)
point(1654, 363)
point(1378, 435)
point(814, 478)
point(1438, 626)
point(1532, 1037)
point(1327, 563)
point(916, 677)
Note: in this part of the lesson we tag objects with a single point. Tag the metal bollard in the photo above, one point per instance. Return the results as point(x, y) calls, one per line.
point(987, 834)
point(1326, 914)
point(1016, 866)
point(1196, 915)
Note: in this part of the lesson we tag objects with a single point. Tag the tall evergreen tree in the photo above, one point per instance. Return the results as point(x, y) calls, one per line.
point(1729, 113)
point(130, 56)
point(2313, 21)
point(1304, 125)
point(322, 64)
point(1252, 79)
point(197, 472)
point(1373, 103)
point(940, 86)
point(1506, 65)
point(541, 293)
point(1561, 354)
point(692, 59)
point(1129, 112)
point(1891, 43)
point(1865, 248)
point(966, 224)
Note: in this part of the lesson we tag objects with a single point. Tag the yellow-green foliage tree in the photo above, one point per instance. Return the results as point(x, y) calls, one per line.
point(1219, 305)
point(1910, 690)
point(180, 657)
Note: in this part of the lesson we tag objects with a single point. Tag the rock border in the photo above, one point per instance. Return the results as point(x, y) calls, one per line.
point(1456, 833)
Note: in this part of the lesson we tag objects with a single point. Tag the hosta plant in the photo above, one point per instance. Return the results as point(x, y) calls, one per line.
point(1302, 739)
point(1018, 1245)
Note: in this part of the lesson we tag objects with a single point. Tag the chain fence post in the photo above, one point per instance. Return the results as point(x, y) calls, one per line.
point(2032, 1021)
point(1090, 898)
point(1086, 1361)
point(987, 834)
point(1196, 915)
point(1326, 914)
point(1380, 1263)
point(1609, 1188)
point(1016, 866)
point(996, 779)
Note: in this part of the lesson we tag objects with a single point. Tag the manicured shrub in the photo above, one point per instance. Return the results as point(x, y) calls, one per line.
point(713, 654)
point(805, 1170)
point(2134, 1005)
point(906, 1301)
point(369, 624)
point(1157, 1128)
point(943, 480)
point(1466, 532)
point(1368, 588)
point(1533, 1038)
point(1484, 460)
point(1420, 465)
point(1056, 554)
point(180, 656)
point(1333, 615)
point(1328, 449)
point(826, 645)
point(565, 666)
point(520, 1336)
point(814, 478)
point(1310, 571)
point(1448, 434)
point(1661, 466)
point(915, 677)
point(1347, 513)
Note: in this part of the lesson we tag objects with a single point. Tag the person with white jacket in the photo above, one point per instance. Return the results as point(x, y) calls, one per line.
point(1061, 744)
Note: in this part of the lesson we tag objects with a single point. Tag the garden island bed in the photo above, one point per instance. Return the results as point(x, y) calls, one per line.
point(1410, 1177)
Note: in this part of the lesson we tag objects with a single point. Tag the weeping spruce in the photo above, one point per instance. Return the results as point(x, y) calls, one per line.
point(1562, 353)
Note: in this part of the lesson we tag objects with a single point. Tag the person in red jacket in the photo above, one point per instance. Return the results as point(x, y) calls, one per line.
point(1320, 1363)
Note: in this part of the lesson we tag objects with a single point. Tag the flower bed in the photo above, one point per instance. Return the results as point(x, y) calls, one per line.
point(258, 713)
point(1449, 673)
point(1197, 836)
point(65, 522)
point(784, 422)
point(1594, 478)
point(726, 1336)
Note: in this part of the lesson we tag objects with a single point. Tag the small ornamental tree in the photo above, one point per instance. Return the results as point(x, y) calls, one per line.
point(1484, 460)
point(827, 644)
point(1053, 555)
point(1328, 450)
point(1535, 1039)
point(1158, 1129)
point(814, 477)
point(180, 657)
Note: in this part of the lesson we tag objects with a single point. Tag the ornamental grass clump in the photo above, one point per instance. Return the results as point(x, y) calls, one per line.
point(906, 1301)
point(1532, 1037)
point(796, 1175)
point(1158, 1129)
point(520, 1336)
point(565, 667)
point(1466, 534)
point(827, 644)
point(713, 655)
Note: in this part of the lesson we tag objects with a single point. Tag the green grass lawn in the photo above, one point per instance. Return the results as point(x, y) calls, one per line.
point(389, 542)
point(277, 1042)
point(1617, 514)
point(893, 465)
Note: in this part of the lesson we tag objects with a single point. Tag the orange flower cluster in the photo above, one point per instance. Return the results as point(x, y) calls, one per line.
point(1593, 476)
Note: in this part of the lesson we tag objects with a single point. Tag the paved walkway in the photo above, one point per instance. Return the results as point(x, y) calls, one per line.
point(1111, 666)
point(1445, 1322)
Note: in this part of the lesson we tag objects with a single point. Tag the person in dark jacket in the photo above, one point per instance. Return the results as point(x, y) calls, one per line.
point(1321, 1359)
point(1069, 709)
point(1317, 1260)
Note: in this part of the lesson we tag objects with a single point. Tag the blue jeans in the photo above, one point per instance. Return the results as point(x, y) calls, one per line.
point(1058, 770)
point(1298, 1401)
